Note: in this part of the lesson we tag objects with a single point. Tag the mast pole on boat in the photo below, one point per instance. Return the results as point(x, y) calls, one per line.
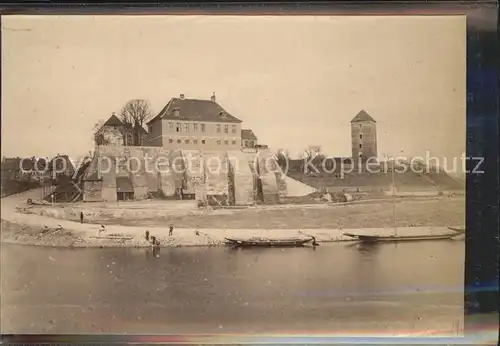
point(393, 199)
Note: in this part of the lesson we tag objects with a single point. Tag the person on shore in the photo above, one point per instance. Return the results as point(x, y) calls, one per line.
point(102, 229)
point(181, 193)
point(171, 230)
point(81, 217)
point(147, 235)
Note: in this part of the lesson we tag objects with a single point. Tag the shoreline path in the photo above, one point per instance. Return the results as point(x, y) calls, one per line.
point(32, 229)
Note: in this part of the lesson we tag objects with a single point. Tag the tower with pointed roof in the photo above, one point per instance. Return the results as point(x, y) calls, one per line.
point(115, 132)
point(364, 136)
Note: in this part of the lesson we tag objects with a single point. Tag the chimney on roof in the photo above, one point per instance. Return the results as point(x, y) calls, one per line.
point(182, 96)
point(113, 113)
point(213, 97)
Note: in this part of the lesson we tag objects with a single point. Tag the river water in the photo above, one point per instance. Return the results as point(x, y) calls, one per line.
point(342, 287)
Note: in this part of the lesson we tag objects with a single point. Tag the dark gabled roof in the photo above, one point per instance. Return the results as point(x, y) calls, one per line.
point(61, 159)
point(248, 134)
point(195, 110)
point(113, 121)
point(362, 116)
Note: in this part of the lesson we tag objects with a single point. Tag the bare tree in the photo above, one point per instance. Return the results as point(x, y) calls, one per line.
point(134, 114)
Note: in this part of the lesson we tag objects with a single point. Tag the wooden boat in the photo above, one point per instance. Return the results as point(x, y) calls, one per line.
point(395, 238)
point(113, 237)
point(267, 242)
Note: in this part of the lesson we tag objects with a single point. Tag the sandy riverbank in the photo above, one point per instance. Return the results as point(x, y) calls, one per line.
point(80, 237)
point(33, 229)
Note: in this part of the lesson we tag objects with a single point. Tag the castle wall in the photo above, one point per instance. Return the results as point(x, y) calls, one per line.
point(216, 173)
point(147, 167)
point(137, 157)
point(178, 169)
point(242, 178)
point(195, 173)
point(207, 173)
point(92, 191)
point(109, 135)
point(268, 172)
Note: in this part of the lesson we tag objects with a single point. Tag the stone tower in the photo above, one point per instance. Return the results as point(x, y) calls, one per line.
point(364, 136)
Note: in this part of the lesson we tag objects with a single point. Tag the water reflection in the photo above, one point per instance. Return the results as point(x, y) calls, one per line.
point(269, 289)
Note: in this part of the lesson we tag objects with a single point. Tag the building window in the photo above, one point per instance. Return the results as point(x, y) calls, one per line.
point(186, 141)
point(360, 146)
point(195, 127)
point(233, 128)
point(359, 125)
point(171, 140)
point(171, 127)
point(360, 136)
point(202, 141)
point(195, 141)
point(234, 142)
point(178, 127)
point(250, 144)
point(202, 127)
point(218, 128)
point(150, 128)
point(245, 143)
point(218, 142)
point(226, 128)
point(186, 127)
point(226, 142)
point(179, 141)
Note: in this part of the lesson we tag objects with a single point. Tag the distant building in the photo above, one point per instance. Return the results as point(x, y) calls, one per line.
point(364, 136)
point(61, 165)
point(115, 132)
point(248, 139)
point(194, 124)
point(17, 168)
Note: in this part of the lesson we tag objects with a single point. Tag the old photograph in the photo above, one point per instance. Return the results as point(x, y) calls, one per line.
point(233, 174)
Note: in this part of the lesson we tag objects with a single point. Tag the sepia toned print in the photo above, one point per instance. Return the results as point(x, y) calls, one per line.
point(220, 174)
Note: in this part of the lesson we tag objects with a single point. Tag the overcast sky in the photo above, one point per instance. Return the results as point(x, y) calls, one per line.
point(296, 81)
